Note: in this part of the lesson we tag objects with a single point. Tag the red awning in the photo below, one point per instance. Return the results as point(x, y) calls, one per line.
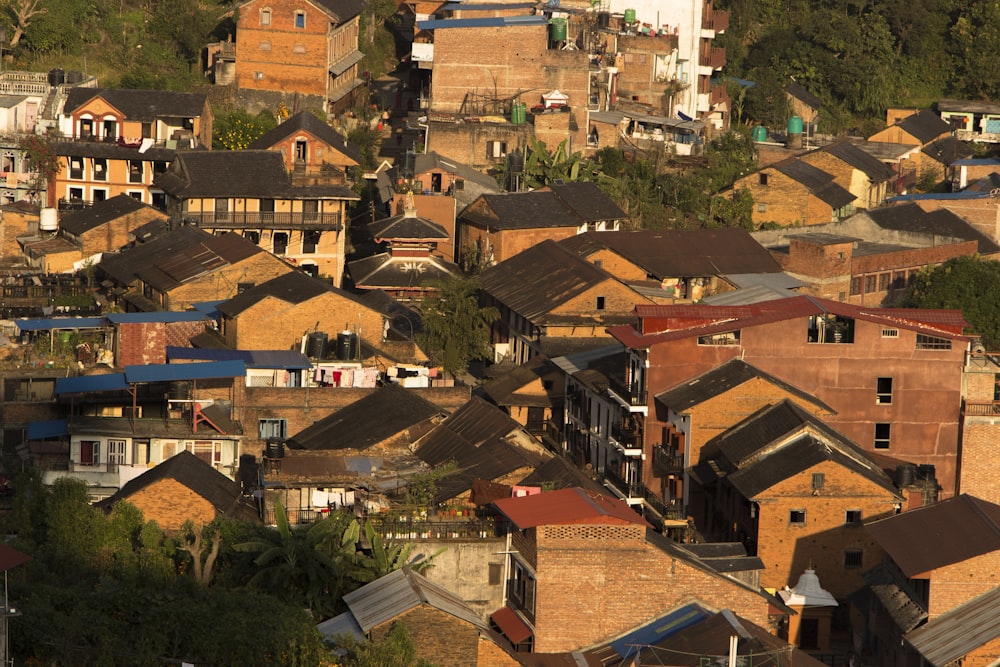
point(511, 625)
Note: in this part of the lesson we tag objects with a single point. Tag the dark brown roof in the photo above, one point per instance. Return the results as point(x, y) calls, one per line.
point(100, 213)
point(797, 91)
point(294, 287)
point(925, 126)
point(681, 253)
point(910, 217)
point(876, 170)
point(140, 105)
point(253, 174)
point(185, 252)
point(187, 469)
point(381, 415)
point(570, 205)
point(306, 121)
point(503, 390)
point(385, 271)
point(721, 379)
point(897, 596)
point(474, 437)
point(111, 151)
point(406, 226)
point(558, 473)
point(948, 532)
point(588, 201)
point(541, 278)
point(947, 150)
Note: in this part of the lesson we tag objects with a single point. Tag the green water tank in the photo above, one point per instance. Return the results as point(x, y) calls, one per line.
point(629, 16)
point(558, 27)
point(759, 133)
point(522, 113)
point(795, 125)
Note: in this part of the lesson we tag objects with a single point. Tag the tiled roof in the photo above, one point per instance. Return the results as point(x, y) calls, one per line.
point(406, 226)
point(140, 105)
point(570, 205)
point(925, 125)
point(100, 213)
point(947, 150)
point(681, 253)
point(383, 414)
point(306, 121)
point(896, 594)
point(565, 507)
point(949, 532)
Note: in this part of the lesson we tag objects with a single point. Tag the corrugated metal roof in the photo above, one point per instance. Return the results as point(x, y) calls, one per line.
point(52, 428)
point(87, 383)
point(157, 316)
point(567, 506)
point(49, 323)
point(287, 359)
point(398, 592)
point(208, 370)
point(960, 631)
point(341, 626)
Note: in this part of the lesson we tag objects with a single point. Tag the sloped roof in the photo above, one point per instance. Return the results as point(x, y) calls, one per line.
point(699, 320)
point(925, 126)
point(558, 473)
point(406, 226)
point(425, 162)
point(387, 412)
point(176, 256)
point(746, 451)
point(797, 91)
point(386, 271)
point(960, 631)
point(185, 468)
point(474, 437)
point(681, 253)
point(910, 217)
point(103, 212)
point(541, 278)
point(306, 121)
point(947, 150)
point(568, 506)
point(588, 201)
point(246, 173)
point(933, 536)
point(804, 173)
point(896, 594)
point(503, 390)
point(569, 205)
point(876, 170)
point(140, 105)
point(294, 287)
point(721, 379)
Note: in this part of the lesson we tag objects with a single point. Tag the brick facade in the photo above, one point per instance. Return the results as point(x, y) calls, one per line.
point(169, 503)
point(224, 282)
point(782, 200)
point(446, 640)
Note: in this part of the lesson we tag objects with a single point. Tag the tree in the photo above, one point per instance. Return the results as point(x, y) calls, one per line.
point(971, 284)
point(396, 650)
point(236, 130)
point(456, 327)
point(388, 556)
point(22, 13)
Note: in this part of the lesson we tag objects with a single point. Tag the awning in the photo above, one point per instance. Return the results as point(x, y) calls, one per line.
point(47, 429)
point(86, 383)
point(346, 62)
point(208, 370)
point(511, 625)
point(47, 324)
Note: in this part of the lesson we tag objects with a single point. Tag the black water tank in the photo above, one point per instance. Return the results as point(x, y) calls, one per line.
point(348, 348)
point(57, 77)
point(274, 449)
point(926, 472)
point(906, 473)
point(74, 77)
point(316, 345)
point(603, 19)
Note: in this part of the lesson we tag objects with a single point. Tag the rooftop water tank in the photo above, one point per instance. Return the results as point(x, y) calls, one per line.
point(48, 220)
point(759, 133)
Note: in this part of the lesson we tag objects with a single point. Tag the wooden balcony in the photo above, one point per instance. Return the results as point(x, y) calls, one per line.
point(264, 220)
point(712, 56)
point(715, 19)
point(991, 409)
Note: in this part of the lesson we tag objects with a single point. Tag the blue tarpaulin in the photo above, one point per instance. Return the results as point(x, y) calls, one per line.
point(86, 383)
point(286, 359)
point(53, 428)
point(209, 370)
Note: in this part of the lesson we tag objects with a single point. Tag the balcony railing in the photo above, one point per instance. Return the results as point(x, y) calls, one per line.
point(632, 394)
point(715, 19)
point(627, 489)
point(267, 220)
point(629, 438)
point(713, 56)
point(666, 461)
point(990, 409)
point(654, 502)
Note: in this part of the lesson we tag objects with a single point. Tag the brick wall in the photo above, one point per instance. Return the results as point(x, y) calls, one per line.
point(956, 584)
point(12, 225)
point(114, 235)
point(983, 214)
point(438, 637)
point(785, 200)
point(223, 282)
point(436, 208)
point(467, 142)
point(589, 590)
point(170, 503)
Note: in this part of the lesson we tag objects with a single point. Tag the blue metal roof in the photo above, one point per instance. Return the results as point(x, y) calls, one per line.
point(660, 629)
point(209, 308)
point(454, 5)
point(977, 161)
point(483, 22)
point(87, 383)
point(964, 194)
point(47, 429)
point(159, 316)
point(287, 359)
point(48, 323)
point(208, 370)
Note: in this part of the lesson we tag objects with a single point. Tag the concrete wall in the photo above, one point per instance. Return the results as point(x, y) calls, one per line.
point(464, 569)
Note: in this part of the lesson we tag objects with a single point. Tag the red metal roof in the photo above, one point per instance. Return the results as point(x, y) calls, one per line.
point(567, 506)
point(511, 625)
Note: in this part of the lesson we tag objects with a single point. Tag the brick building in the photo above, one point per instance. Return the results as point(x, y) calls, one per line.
point(870, 180)
point(893, 378)
point(295, 47)
point(313, 151)
point(793, 193)
point(253, 194)
point(116, 141)
point(919, 129)
point(584, 567)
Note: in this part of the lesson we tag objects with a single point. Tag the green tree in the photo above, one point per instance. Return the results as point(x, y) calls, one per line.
point(975, 39)
point(236, 130)
point(396, 650)
point(388, 556)
point(456, 328)
point(971, 284)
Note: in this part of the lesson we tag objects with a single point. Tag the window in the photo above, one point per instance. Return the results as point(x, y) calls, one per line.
point(762, 208)
point(135, 171)
point(135, 194)
point(884, 279)
point(76, 168)
point(883, 391)
point(853, 559)
point(932, 343)
point(116, 451)
point(890, 333)
point(882, 435)
point(899, 280)
point(272, 428)
point(100, 169)
point(98, 195)
point(830, 328)
point(140, 452)
point(76, 194)
point(852, 517)
point(252, 236)
point(870, 284)
point(279, 243)
point(265, 17)
point(818, 479)
point(300, 20)
point(600, 303)
point(310, 239)
point(855, 286)
point(496, 149)
point(522, 588)
point(458, 184)
point(723, 338)
point(147, 130)
point(496, 572)
point(762, 179)
point(301, 150)
point(258, 76)
point(90, 452)
point(797, 517)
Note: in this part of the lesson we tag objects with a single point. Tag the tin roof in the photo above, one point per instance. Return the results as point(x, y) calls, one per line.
point(567, 506)
point(945, 639)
